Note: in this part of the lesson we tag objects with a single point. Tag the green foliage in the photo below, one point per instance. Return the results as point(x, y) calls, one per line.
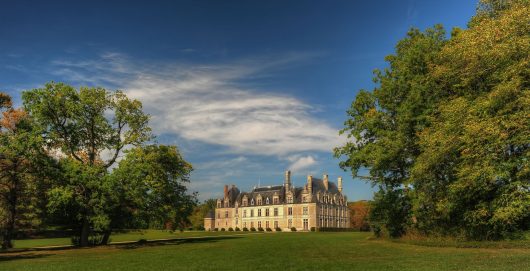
point(293, 229)
point(200, 212)
point(450, 121)
point(151, 184)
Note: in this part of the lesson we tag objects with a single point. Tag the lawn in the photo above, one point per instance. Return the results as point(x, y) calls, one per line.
point(118, 237)
point(272, 251)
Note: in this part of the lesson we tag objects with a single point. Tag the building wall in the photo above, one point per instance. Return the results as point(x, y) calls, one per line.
point(209, 224)
point(318, 215)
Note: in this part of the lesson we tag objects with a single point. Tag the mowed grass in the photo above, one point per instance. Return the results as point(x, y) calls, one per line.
point(272, 251)
point(118, 237)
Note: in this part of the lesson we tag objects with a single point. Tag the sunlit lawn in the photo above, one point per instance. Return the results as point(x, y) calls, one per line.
point(272, 251)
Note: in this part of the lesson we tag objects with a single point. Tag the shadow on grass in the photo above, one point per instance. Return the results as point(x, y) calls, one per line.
point(177, 241)
point(22, 256)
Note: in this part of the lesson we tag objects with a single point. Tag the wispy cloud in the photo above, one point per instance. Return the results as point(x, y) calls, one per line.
point(214, 103)
point(301, 162)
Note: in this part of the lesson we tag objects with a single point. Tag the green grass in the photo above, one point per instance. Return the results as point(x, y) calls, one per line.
point(118, 237)
point(272, 251)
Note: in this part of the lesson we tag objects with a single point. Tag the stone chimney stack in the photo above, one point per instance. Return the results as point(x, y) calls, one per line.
point(226, 191)
point(310, 183)
point(326, 181)
point(287, 183)
point(339, 182)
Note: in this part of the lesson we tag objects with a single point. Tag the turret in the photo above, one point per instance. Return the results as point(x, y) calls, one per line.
point(339, 182)
point(226, 192)
point(310, 184)
point(326, 182)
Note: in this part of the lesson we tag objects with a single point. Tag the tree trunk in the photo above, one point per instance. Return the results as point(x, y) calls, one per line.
point(83, 239)
point(106, 237)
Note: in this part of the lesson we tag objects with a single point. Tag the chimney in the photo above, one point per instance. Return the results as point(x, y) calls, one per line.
point(339, 181)
point(310, 183)
point(326, 182)
point(226, 191)
point(287, 182)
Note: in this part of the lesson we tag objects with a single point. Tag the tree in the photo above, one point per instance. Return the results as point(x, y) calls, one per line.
point(22, 161)
point(82, 125)
point(200, 212)
point(151, 182)
point(359, 211)
point(448, 128)
point(384, 124)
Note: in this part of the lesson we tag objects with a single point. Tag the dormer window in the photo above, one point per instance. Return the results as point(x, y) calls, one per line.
point(275, 200)
point(289, 199)
point(267, 201)
point(252, 202)
point(259, 201)
point(245, 201)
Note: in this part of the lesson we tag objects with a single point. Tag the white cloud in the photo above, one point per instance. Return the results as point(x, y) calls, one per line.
point(301, 162)
point(209, 103)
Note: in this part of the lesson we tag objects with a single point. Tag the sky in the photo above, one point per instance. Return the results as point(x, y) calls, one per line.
point(245, 89)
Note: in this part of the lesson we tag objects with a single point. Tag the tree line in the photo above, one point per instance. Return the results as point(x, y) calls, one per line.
point(445, 135)
point(85, 159)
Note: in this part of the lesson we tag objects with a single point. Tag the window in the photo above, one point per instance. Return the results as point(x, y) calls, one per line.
point(267, 212)
point(251, 213)
point(290, 223)
point(252, 202)
point(259, 224)
point(259, 201)
point(267, 201)
point(306, 224)
point(305, 211)
point(259, 212)
point(252, 224)
point(245, 202)
point(289, 199)
point(290, 211)
point(245, 213)
point(275, 211)
point(266, 224)
point(218, 214)
point(275, 224)
point(276, 200)
point(226, 214)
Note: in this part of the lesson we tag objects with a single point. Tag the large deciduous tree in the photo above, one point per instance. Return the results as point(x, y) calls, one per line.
point(151, 183)
point(22, 163)
point(448, 128)
point(88, 128)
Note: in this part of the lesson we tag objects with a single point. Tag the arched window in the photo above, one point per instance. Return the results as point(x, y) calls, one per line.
point(267, 200)
point(252, 202)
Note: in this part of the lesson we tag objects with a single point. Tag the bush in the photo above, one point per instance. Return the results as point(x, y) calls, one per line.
point(278, 229)
point(223, 229)
point(252, 229)
point(94, 239)
point(313, 229)
point(238, 229)
point(245, 229)
point(268, 229)
point(293, 229)
point(336, 229)
point(260, 229)
point(230, 229)
point(216, 229)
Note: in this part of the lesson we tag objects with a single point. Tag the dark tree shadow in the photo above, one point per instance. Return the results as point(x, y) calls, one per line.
point(173, 242)
point(12, 257)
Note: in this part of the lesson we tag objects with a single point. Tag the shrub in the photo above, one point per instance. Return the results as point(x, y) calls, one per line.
point(238, 229)
point(278, 229)
point(336, 229)
point(268, 229)
point(293, 229)
point(222, 229)
point(252, 229)
point(216, 229)
point(230, 229)
point(260, 229)
point(313, 229)
point(245, 229)
point(93, 240)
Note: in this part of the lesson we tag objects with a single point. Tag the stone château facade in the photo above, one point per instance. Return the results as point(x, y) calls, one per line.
point(319, 203)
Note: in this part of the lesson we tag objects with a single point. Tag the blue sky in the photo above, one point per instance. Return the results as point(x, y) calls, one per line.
point(246, 89)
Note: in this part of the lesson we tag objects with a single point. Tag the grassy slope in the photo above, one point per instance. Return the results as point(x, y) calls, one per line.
point(274, 251)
